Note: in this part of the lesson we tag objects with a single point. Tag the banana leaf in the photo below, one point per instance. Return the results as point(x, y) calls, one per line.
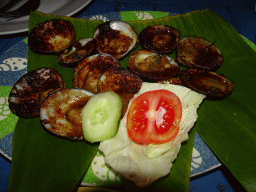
point(43, 162)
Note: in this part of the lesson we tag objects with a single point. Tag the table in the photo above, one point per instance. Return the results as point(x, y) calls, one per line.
point(240, 14)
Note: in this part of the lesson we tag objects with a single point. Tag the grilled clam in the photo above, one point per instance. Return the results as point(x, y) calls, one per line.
point(123, 82)
point(116, 38)
point(89, 70)
point(79, 50)
point(198, 53)
point(31, 89)
point(52, 36)
point(153, 65)
point(60, 113)
point(209, 83)
point(159, 38)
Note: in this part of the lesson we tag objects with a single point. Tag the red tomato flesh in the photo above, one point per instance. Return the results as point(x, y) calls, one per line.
point(154, 117)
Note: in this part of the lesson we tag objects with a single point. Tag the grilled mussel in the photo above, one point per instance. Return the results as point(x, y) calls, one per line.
point(116, 38)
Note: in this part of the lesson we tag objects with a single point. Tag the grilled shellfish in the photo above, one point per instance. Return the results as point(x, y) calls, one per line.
point(153, 65)
point(52, 36)
point(60, 113)
point(31, 89)
point(116, 38)
point(79, 50)
point(198, 53)
point(159, 38)
point(209, 83)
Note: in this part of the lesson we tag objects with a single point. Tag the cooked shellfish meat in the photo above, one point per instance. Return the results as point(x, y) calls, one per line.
point(159, 38)
point(198, 53)
point(123, 82)
point(60, 113)
point(79, 50)
point(207, 82)
point(153, 65)
point(31, 89)
point(52, 36)
point(116, 38)
point(89, 70)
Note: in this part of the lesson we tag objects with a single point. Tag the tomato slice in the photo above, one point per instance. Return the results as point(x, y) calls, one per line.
point(154, 117)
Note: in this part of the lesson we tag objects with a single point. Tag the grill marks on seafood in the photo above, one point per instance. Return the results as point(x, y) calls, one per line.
point(31, 89)
point(51, 36)
point(116, 38)
point(60, 113)
point(119, 80)
point(209, 83)
point(198, 53)
point(79, 50)
point(122, 81)
point(153, 65)
point(159, 38)
point(89, 70)
point(43, 91)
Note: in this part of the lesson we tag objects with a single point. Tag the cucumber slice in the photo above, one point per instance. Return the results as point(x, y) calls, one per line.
point(101, 116)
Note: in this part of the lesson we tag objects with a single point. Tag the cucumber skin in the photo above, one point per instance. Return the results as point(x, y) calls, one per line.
point(109, 128)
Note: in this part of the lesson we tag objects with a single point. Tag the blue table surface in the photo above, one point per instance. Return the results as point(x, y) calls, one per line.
point(240, 14)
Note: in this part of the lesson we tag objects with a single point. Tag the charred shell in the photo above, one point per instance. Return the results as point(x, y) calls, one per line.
point(60, 113)
point(90, 69)
point(153, 65)
point(79, 50)
point(159, 38)
point(52, 36)
point(198, 53)
point(209, 83)
point(31, 89)
point(122, 81)
point(116, 38)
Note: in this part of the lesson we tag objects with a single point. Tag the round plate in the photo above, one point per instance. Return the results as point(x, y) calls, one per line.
point(57, 7)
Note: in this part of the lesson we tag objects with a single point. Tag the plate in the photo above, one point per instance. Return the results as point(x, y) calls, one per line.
point(57, 7)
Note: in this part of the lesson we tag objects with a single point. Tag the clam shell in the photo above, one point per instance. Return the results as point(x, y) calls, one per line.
point(60, 113)
point(116, 38)
point(207, 82)
point(31, 89)
point(122, 81)
point(79, 50)
point(198, 53)
point(52, 36)
point(90, 69)
point(159, 38)
point(153, 65)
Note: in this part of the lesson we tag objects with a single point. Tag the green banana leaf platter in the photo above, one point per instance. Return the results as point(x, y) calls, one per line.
point(43, 162)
